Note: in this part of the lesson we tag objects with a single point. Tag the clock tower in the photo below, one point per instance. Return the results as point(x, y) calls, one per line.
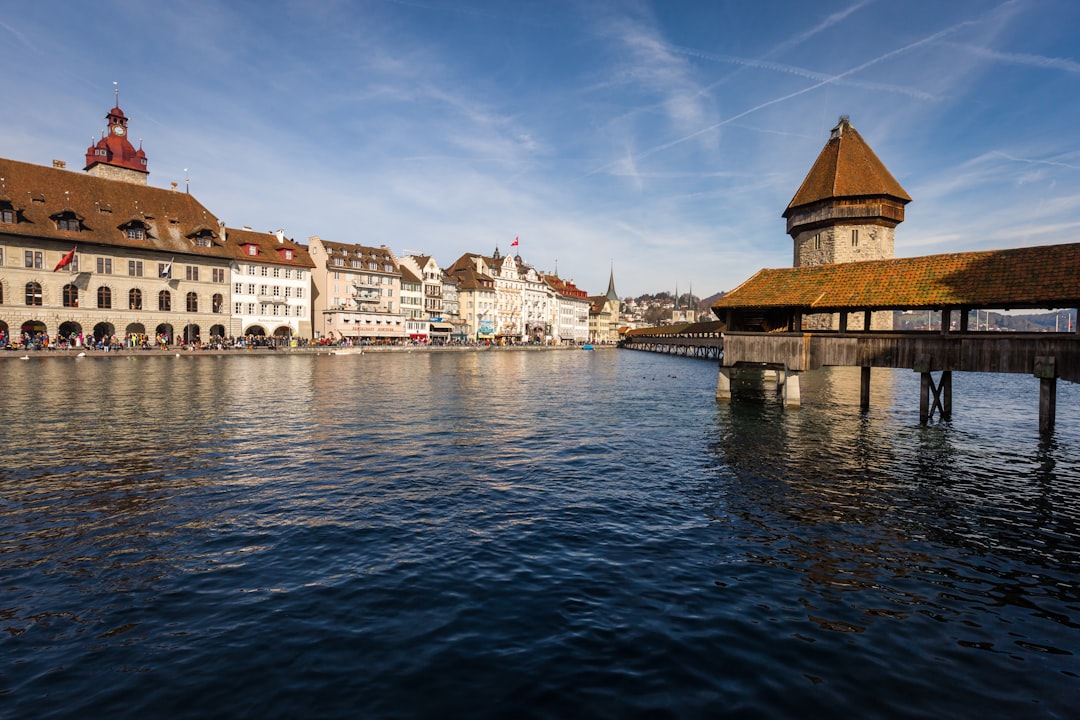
point(113, 156)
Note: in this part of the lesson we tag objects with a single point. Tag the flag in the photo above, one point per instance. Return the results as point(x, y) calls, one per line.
point(66, 260)
point(514, 244)
point(166, 270)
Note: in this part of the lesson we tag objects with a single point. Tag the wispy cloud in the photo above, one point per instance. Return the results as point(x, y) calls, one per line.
point(1038, 61)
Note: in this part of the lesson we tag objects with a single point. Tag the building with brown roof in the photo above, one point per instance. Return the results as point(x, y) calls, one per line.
point(572, 311)
point(356, 292)
point(271, 284)
point(525, 305)
point(100, 254)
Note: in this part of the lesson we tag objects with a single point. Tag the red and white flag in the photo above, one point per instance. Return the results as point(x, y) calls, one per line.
point(66, 260)
point(514, 244)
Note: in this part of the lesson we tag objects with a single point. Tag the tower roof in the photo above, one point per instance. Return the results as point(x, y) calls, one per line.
point(611, 294)
point(846, 168)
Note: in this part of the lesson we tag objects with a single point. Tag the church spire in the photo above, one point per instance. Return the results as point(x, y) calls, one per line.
point(611, 294)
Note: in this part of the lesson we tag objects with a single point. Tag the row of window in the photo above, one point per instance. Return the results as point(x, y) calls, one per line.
point(34, 259)
point(277, 272)
point(276, 290)
point(270, 309)
point(70, 296)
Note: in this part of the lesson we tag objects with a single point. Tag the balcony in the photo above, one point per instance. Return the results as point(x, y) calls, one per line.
point(271, 299)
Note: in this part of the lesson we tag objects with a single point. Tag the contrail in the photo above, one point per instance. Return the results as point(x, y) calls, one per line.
point(858, 68)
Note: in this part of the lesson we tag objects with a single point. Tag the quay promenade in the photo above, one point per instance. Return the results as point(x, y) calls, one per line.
point(21, 354)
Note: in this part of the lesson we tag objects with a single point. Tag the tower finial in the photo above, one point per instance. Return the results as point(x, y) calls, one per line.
point(116, 91)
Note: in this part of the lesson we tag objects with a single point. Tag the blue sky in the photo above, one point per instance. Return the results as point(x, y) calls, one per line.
point(662, 138)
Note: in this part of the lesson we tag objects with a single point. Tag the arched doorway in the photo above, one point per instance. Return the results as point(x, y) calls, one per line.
point(283, 332)
point(192, 334)
point(104, 331)
point(135, 328)
point(217, 331)
point(257, 330)
point(164, 334)
point(31, 329)
point(69, 331)
point(5, 338)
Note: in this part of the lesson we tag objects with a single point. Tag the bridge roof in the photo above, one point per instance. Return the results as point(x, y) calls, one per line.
point(1033, 277)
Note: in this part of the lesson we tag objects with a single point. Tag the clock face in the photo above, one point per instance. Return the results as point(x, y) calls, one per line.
point(118, 129)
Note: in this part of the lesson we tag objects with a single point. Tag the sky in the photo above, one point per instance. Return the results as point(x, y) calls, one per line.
point(660, 141)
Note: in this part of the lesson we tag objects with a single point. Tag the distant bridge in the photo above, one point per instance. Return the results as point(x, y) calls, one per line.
point(703, 340)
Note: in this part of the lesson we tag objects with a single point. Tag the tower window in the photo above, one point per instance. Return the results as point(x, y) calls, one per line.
point(854, 238)
point(817, 241)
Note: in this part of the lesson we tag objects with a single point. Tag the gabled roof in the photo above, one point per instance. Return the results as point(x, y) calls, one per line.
point(269, 248)
point(1033, 277)
point(363, 253)
point(846, 168)
point(38, 194)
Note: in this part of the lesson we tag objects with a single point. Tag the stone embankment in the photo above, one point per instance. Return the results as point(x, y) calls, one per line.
point(268, 352)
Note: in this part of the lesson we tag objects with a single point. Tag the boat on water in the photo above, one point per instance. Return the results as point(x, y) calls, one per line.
point(586, 347)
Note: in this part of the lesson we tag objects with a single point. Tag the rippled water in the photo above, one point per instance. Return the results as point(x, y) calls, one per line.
point(528, 534)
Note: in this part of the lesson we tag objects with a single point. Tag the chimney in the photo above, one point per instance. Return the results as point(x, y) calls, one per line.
point(59, 164)
point(174, 185)
point(280, 236)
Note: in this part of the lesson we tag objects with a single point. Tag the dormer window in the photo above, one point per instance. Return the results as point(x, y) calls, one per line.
point(202, 237)
point(7, 213)
point(135, 229)
point(67, 221)
point(251, 249)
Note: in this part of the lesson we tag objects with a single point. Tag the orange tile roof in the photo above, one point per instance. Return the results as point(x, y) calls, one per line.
point(1033, 277)
point(846, 167)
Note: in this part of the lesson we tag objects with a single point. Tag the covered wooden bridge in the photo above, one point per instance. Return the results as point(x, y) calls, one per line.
point(765, 316)
point(700, 340)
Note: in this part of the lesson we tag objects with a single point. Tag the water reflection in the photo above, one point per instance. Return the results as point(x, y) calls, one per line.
point(882, 521)
point(559, 534)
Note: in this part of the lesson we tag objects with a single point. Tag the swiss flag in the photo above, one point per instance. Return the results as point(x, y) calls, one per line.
point(514, 244)
point(66, 260)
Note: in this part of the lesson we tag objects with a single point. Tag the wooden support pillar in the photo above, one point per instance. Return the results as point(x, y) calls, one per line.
point(843, 322)
point(945, 388)
point(798, 323)
point(946, 320)
point(1046, 371)
point(924, 397)
point(867, 318)
point(1047, 404)
point(935, 397)
point(723, 384)
point(964, 312)
point(864, 388)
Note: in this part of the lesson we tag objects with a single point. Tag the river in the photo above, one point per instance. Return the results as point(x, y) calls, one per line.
point(528, 535)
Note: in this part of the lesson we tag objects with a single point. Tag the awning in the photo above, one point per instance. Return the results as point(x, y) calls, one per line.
point(441, 327)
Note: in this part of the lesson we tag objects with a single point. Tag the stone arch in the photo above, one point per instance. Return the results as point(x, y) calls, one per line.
point(135, 328)
point(192, 333)
point(283, 331)
point(217, 331)
point(256, 330)
point(104, 330)
point(68, 329)
point(164, 333)
point(33, 326)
